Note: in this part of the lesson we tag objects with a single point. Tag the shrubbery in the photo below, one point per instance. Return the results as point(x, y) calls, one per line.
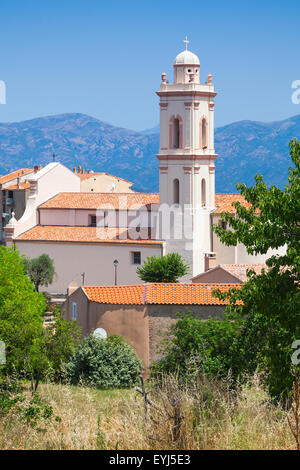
point(195, 346)
point(104, 363)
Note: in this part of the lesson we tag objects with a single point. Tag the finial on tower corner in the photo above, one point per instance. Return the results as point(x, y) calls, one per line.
point(186, 41)
point(164, 77)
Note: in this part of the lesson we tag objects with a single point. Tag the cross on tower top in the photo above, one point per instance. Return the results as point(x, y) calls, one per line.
point(186, 43)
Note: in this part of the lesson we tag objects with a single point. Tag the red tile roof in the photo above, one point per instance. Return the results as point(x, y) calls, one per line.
point(15, 174)
point(85, 176)
point(237, 270)
point(223, 203)
point(14, 187)
point(94, 201)
point(240, 270)
point(86, 235)
point(127, 295)
point(157, 293)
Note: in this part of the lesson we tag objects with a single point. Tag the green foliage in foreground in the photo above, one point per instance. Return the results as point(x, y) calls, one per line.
point(194, 346)
point(168, 268)
point(21, 314)
point(104, 363)
point(271, 300)
point(32, 351)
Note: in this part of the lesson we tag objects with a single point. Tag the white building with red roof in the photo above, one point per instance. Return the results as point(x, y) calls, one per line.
point(85, 221)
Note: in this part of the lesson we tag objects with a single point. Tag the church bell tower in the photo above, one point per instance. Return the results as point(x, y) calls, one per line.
point(187, 161)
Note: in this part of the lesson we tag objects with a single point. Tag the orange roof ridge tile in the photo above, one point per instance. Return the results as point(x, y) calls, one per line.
point(15, 174)
point(89, 200)
point(158, 293)
point(71, 234)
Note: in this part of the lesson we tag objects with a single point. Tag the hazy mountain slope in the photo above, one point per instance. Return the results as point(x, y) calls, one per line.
point(244, 148)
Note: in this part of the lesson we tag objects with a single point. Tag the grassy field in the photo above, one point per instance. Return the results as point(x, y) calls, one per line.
point(85, 418)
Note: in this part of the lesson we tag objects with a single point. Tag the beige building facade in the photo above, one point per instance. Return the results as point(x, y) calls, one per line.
point(140, 313)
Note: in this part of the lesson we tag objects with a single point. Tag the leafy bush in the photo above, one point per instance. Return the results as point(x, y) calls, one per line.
point(193, 346)
point(104, 363)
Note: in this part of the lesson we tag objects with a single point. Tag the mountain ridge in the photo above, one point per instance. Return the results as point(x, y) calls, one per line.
point(244, 148)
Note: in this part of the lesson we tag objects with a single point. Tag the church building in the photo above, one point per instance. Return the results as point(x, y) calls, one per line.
point(99, 238)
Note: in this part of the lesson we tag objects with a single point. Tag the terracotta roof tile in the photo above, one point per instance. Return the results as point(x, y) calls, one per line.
point(127, 295)
point(157, 293)
point(85, 176)
point(223, 202)
point(15, 174)
point(85, 235)
point(95, 201)
point(237, 270)
point(240, 270)
point(14, 187)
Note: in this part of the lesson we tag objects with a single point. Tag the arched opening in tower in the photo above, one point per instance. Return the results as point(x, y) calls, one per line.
point(203, 192)
point(204, 133)
point(176, 133)
point(176, 191)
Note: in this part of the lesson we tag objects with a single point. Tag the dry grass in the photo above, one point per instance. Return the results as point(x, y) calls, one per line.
point(213, 418)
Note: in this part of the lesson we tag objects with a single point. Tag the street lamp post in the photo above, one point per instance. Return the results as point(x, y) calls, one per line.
point(116, 262)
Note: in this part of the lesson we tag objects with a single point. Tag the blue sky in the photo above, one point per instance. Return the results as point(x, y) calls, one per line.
point(105, 58)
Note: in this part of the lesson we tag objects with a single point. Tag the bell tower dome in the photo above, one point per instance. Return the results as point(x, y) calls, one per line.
point(186, 66)
point(187, 157)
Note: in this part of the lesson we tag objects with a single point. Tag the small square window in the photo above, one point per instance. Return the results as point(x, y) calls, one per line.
point(74, 310)
point(93, 221)
point(136, 257)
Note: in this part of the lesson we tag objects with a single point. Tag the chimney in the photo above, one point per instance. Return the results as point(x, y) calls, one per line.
point(75, 169)
point(209, 261)
point(36, 168)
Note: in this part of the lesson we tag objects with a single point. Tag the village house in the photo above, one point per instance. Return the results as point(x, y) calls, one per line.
point(141, 313)
point(101, 182)
point(14, 189)
point(231, 273)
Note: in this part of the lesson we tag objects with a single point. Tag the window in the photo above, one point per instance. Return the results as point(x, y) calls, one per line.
point(176, 132)
point(176, 191)
point(74, 310)
point(204, 134)
point(203, 192)
point(93, 221)
point(105, 219)
point(136, 257)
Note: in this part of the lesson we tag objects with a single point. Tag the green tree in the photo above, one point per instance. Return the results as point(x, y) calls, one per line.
point(168, 268)
point(271, 300)
point(21, 315)
point(40, 270)
point(194, 346)
point(60, 339)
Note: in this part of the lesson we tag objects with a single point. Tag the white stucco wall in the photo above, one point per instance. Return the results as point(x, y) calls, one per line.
point(81, 217)
point(46, 183)
point(95, 260)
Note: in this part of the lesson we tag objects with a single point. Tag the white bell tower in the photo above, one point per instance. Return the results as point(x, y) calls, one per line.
point(186, 160)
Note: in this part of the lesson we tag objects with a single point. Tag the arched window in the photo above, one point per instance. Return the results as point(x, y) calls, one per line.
point(203, 192)
point(175, 139)
point(176, 191)
point(203, 133)
point(176, 133)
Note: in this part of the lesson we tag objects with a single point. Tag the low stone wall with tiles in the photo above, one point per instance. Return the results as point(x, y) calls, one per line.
point(161, 317)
